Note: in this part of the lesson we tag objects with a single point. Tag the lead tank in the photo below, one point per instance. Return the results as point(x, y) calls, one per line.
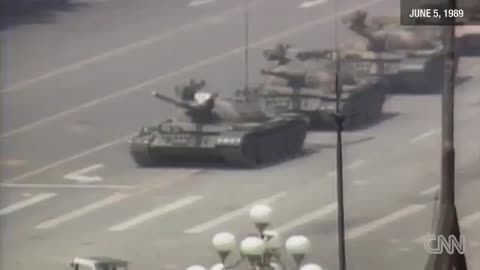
point(307, 85)
point(419, 52)
point(235, 130)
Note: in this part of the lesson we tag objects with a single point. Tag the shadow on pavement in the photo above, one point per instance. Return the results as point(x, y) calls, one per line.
point(17, 13)
point(401, 92)
point(218, 164)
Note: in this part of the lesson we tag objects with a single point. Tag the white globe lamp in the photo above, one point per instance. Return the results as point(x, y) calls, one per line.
point(253, 248)
point(224, 243)
point(261, 215)
point(196, 267)
point(311, 266)
point(219, 266)
point(298, 246)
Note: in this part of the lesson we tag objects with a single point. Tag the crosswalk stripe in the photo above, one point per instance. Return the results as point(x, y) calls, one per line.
point(312, 3)
point(378, 223)
point(464, 223)
point(328, 209)
point(197, 3)
point(155, 213)
point(226, 217)
point(25, 203)
point(82, 211)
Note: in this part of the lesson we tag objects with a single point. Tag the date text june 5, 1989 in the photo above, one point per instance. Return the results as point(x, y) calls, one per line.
point(436, 13)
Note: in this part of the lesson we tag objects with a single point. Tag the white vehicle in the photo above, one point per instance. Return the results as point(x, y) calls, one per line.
point(98, 263)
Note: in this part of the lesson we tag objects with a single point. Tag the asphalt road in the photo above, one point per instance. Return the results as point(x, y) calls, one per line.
point(74, 106)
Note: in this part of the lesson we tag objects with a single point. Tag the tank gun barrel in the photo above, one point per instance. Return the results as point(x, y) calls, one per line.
point(315, 54)
point(296, 79)
point(167, 99)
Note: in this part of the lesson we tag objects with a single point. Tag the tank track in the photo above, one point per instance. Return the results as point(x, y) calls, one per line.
point(142, 155)
point(359, 110)
point(364, 109)
point(267, 147)
point(430, 80)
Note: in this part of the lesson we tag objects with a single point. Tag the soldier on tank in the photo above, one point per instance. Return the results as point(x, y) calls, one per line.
point(188, 91)
point(198, 106)
point(279, 54)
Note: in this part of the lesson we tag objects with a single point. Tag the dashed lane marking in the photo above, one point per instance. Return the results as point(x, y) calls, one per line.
point(430, 191)
point(312, 3)
point(470, 219)
point(163, 210)
point(79, 175)
point(360, 183)
point(229, 216)
point(197, 3)
point(280, 35)
point(12, 162)
point(355, 164)
point(188, 68)
point(381, 222)
point(315, 215)
point(74, 186)
point(424, 135)
point(71, 158)
point(82, 211)
point(117, 51)
point(25, 203)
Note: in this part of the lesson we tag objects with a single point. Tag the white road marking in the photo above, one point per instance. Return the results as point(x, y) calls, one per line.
point(66, 160)
point(376, 224)
point(117, 51)
point(360, 183)
point(474, 244)
point(332, 173)
point(12, 162)
point(25, 203)
point(229, 216)
point(465, 222)
point(424, 135)
point(180, 71)
point(160, 211)
point(355, 164)
point(469, 220)
point(82, 211)
point(272, 38)
point(80, 176)
point(196, 3)
point(315, 215)
point(28, 185)
point(430, 191)
point(312, 3)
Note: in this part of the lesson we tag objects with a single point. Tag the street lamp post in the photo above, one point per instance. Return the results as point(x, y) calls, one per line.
point(262, 251)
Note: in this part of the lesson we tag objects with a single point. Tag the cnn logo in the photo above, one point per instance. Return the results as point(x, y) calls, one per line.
point(437, 244)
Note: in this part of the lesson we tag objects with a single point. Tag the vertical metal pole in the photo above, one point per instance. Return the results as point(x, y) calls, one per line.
point(339, 118)
point(447, 223)
point(246, 42)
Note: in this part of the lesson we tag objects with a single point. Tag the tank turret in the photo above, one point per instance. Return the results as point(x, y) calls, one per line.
point(389, 39)
point(279, 54)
